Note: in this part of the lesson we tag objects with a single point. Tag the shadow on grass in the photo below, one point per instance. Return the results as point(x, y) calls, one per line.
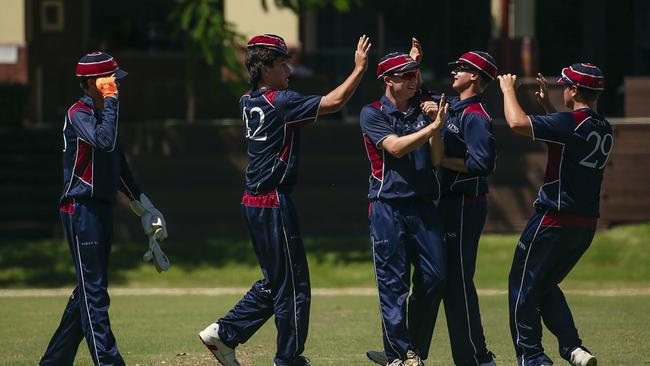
point(48, 263)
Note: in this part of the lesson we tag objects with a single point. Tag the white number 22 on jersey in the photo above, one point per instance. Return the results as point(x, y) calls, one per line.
point(250, 134)
point(602, 148)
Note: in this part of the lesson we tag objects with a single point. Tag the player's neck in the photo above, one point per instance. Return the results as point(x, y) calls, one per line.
point(401, 104)
point(468, 92)
point(582, 105)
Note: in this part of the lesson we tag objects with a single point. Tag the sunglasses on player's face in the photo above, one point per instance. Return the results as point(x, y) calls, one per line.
point(462, 69)
point(406, 75)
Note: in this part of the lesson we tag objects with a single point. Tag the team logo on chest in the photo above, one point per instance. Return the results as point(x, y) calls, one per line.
point(419, 125)
point(452, 127)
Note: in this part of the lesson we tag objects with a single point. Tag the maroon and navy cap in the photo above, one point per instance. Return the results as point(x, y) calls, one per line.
point(586, 76)
point(479, 61)
point(270, 41)
point(395, 63)
point(98, 64)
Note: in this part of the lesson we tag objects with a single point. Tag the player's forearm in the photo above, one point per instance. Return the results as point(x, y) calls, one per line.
point(455, 164)
point(435, 145)
point(400, 146)
point(514, 114)
point(548, 107)
point(336, 99)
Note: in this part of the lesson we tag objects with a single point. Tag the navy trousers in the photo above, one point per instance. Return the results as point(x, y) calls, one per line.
point(405, 234)
point(546, 252)
point(463, 219)
point(285, 289)
point(89, 227)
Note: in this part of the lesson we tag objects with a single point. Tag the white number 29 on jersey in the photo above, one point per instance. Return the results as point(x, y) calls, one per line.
point(603, 145)
point(250, 134)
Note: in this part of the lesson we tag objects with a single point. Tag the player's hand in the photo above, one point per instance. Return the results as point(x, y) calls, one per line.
point(542, 94)
point(107, 86)
point(361, 54)
point(507, 82)
point(416, 50)
point(430, 108)
point(442, 113)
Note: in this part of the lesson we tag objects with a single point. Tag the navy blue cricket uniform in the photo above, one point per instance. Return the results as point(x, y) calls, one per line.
point(405, 230)
point(561, 230)
point(94, 169)
point(467, 135)
point(273, 120)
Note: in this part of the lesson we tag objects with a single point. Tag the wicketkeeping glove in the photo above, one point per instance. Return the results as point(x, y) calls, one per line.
point(107, 86)
point(157, 256)
point(155, 227)
point(153, 221)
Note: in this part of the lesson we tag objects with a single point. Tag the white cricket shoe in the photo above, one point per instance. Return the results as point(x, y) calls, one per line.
point(378, 357)
point(224, 354)
point(397, 363)
point(580, 357)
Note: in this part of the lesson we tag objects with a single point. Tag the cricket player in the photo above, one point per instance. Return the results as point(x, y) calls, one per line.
point(94, 169)
point(469, 157)
point(567, 209)
point(402, 138)
point(273, 118)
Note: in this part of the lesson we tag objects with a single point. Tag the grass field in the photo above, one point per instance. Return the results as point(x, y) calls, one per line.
point(161, 330)
point(617, 258)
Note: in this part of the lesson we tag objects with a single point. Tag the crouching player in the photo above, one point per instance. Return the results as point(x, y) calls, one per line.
point(402, 139)
point(273, 117)
point(567, 209)
point(94, 168)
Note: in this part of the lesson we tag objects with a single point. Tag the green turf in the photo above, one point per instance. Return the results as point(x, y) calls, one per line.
point(617, 258)
point(161, 330)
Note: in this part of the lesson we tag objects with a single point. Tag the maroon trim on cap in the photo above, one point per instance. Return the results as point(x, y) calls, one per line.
point(96, 68)
point(480, 63)
point(270, 41)
point(584, 80)
point(398, 63)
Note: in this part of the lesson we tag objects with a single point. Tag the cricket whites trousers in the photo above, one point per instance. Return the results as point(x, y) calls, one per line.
point(549, 247)
point(88, 225)
point(285, 290)
point(405, 233)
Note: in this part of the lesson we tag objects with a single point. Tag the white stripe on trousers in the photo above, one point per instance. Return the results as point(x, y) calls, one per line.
point(293, 282)
point(523, 273)
point(83, 286)
point(381, 314)
point(462, 270)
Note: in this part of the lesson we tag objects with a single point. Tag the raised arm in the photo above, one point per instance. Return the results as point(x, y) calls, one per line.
point(515, 115)
point(336, 99)
point(542, 95)
point(439, 114)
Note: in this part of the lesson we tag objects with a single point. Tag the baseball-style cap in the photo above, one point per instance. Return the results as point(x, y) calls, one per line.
point(98, 64)
point(395, 63)
point(585, 75)
point(270, 41)
point(479, 61)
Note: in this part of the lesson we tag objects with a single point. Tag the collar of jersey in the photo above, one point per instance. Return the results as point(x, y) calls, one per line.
point(390, 108)
point(459, 105)
point(87, 100)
